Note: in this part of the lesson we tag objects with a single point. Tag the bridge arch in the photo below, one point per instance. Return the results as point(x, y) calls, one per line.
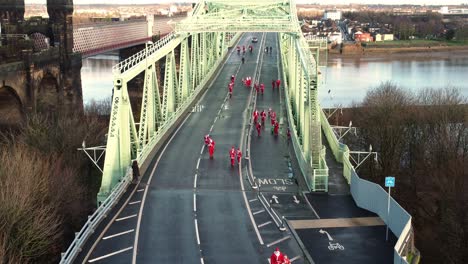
point(11, 107)
point(40, 41)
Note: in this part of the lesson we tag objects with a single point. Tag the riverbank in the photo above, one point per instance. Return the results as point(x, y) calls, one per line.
point(397, 47)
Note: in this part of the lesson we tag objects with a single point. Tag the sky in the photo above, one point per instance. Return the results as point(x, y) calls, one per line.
point(395, 2)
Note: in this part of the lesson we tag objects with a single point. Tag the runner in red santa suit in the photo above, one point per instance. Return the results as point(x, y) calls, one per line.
point(259, 129)
point(262, 88)
point(273, 117)
point(256, 87)
point(278, 83)
point(207, 139)
point(263, 116)
point(239, 156)
point(232, 155)
point(276, 128)
point(211, 148)
point(230, 89)
point(255, 116)
point(277, 257)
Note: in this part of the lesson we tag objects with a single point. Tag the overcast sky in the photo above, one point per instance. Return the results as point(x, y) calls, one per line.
point(420, 2)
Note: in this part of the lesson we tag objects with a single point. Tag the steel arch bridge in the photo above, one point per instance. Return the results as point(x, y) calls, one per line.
point(201, 42)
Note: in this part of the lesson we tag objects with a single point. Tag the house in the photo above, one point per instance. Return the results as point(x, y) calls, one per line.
point(332, 15)
point(383, 37)
point(362, 37)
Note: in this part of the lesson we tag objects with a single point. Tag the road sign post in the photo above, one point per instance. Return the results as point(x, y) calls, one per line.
point(389, 182)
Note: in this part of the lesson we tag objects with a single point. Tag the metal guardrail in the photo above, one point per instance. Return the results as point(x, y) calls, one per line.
point(93, 221)
point(371, 196)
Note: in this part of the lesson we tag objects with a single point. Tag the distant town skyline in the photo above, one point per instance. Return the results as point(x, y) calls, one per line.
point(337, 2)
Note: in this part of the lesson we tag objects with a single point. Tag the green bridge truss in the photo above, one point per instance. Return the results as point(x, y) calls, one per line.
point(191, 56)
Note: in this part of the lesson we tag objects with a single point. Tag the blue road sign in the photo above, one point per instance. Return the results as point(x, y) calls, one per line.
point(389, 181)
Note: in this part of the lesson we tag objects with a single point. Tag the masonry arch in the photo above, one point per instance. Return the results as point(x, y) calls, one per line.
point(11, 107)
point(40, 41)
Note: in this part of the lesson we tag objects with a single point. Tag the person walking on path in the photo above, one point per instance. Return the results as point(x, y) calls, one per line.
point(263, 116)
point(230, 89)
point(259, 129)
point(278, 83)
point(255, 116)
point(211, 148)
point(273, 83)
point(277, 257)
point(232, 155)
point(273, 117)
point(262, 88)
point(239, 156)
point(276, 128)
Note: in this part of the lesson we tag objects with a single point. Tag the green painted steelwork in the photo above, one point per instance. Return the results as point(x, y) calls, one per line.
point(201, 42)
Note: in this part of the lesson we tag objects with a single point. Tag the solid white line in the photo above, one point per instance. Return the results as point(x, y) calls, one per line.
point(278, 241)
point(194, 202)
point(198, 163)
point(311, 207)
point(126, 217)
point(202, 148)
point(295, 258)
point(135, 202)
point(140, 190)
point(264, 224)
point(196, 231)
point(253, 200)
point(137, 233)
point(258, 212)
point(195, 182)
point(111, 254)
point(118, 234)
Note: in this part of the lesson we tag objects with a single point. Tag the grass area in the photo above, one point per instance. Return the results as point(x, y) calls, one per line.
point(415, 43)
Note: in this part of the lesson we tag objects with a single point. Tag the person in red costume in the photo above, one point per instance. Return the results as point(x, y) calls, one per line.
point(255, 116)
point(230, 89)
point(263, 116)
point(278, 83)
point(273, 82)
point(239, 155)
point(273, 118)
point(259, 128)
point(211, 148)
point(277, 257)
point(262, 88)
point(232, 155)
point(276, 128)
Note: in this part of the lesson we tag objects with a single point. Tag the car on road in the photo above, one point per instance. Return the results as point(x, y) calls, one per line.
point(254, 40)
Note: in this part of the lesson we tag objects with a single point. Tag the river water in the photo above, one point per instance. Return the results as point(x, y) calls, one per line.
point(347, 79)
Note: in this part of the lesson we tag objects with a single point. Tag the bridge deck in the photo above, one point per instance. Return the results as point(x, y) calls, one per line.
point(188, 207)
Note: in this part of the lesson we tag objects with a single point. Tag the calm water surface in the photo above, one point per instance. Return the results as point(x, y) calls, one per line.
point(348, 79)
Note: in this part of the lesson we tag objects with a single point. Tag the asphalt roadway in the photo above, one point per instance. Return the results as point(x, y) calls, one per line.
point(188, 208)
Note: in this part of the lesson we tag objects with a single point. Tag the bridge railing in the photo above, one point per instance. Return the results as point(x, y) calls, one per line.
point(372, 197)
point(93, 221)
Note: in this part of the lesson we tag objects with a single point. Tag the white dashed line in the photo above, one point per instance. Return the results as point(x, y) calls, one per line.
point(201, 260)
point(195, 181)
point(278, 241)
point(119, 234)
point(198, 163)
point(264, 224)
point(202, 148)
point(111, 254)
point(125, 218)
point(196, 231)
point(211, 128)
point(295, 258)
point(253, 200)
point(258, 212)
point(194, 202)
point(140, 190)
point(135, 202)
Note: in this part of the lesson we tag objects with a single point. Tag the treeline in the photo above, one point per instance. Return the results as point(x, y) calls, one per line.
point(47, 187)
point(422, 140)
point(428, 26)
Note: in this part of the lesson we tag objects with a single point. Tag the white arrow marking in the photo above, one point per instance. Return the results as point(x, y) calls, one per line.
point(328, 235)
point(295, 199)
point(274, 197)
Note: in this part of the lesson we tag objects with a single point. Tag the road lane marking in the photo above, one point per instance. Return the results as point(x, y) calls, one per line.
point(140, 190)
point(125, 218)
point(110, 254)
point(202, 148)
point(119, 234)
point(195, 181)
point(135, 202)
point(216, 119)
point(194, 202)
point(310, 205)
point(201, 261)
point(264, 224)
point(295, 258)
point(253, 200)
point(198, 163)
point(278, 241)
point(137, 233)
point(258, 212)
point(196, 231)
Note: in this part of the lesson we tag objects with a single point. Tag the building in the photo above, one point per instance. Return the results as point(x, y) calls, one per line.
point(384, 37)
point(332, 14)
point(335, 37)
point(362, 37)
